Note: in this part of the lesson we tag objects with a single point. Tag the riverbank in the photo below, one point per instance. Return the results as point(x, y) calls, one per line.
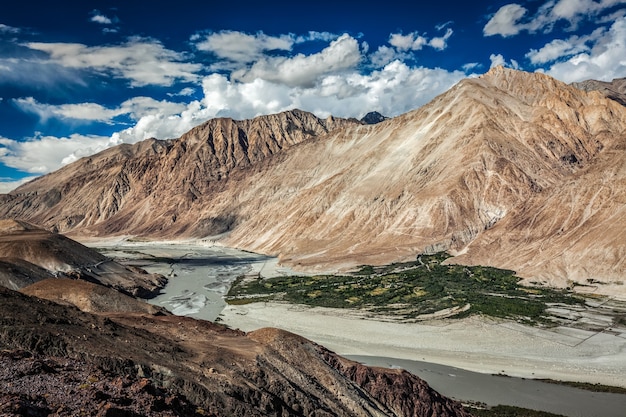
point(493, 390)
point(475, 343)
point(201, 273)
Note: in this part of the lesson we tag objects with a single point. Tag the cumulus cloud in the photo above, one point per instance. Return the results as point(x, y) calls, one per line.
point(561, 48)
point(498, 60)
point(242, 47)
point(513, 18)
point(303, 70)
point(136, 108)
point(601, 55)
point(98, 17)
point(40, 155)
point(327, 82)
point(415, 41)
point(506, 21)
point(394, 89)
point(141, 61)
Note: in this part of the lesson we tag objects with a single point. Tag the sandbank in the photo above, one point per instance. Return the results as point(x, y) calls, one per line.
point(477, 343)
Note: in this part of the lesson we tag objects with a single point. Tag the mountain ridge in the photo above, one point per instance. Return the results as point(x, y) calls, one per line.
point(476, 163)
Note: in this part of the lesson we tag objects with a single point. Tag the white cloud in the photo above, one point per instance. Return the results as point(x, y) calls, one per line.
point(513, 18)
point(44, 154)
point(498, 60)
point(506, 21)
point(328, 82)
point(242, 47)
point(385, 54)
point(7, 184)
point(316, 36)
point(136, 108)
point(441, 26)
point(36, 73)
point(561, 48)
point(394, 89)
point(185, 92)
point(440, 43)
point(83, 111)
point(415, 42)
point(604, 59)
point(303, 70)
point(142, 61)
point(100, 18)
point(8, 29)
point(470, 66)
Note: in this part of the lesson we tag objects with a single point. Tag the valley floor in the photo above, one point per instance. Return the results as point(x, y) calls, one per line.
point(476, 343)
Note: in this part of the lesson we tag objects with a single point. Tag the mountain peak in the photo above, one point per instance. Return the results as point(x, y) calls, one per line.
point(373, 117)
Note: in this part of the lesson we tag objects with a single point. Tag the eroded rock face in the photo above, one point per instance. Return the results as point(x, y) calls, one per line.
point(510, 169)
point(174, 364)
point(158, 187)
point(615, 90)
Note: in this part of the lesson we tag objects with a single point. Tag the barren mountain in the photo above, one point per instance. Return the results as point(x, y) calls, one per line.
point(615, 90)
point(159, 187)
point(31, 254)
point(132, 364)
point(509, 169)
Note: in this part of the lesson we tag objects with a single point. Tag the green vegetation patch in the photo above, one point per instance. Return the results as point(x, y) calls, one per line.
point(410, 290)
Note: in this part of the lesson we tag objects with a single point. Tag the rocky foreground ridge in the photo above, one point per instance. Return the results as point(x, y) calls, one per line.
point(30, 254)
point(57, 360)
point(510, 169)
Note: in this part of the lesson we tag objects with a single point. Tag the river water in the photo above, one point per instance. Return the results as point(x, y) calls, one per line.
point(200, 276)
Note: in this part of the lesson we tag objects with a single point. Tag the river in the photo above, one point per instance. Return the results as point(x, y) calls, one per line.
point(200, 276)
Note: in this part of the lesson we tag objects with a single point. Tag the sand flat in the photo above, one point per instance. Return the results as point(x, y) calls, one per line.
point(477, 343)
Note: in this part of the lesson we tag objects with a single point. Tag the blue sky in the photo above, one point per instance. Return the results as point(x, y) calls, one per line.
point(78, 77)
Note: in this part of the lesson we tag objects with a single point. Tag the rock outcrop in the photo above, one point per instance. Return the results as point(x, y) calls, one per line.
point(615, 90)
point(31, 254)
point(510, 169)
point(170, 364)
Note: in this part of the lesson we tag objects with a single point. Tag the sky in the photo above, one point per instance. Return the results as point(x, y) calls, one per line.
point(79, 77)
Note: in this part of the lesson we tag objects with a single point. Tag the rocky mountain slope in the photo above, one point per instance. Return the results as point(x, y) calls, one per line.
point(510, 169)
point(134, 364)
point(31, 254)
point(615, 90)
point(157, 187)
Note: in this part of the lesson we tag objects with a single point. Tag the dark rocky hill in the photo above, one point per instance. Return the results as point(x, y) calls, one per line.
point(57, 360)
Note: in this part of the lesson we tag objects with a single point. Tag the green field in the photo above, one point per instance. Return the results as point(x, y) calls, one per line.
point(406, 291)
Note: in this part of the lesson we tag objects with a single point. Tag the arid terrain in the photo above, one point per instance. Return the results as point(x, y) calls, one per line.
point(510, 169)
point(118, 363)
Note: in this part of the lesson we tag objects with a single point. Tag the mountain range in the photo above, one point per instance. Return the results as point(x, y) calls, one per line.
point(510, 169)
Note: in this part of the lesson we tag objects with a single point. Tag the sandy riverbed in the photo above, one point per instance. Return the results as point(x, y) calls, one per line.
point(203, 273)
point(477, 343)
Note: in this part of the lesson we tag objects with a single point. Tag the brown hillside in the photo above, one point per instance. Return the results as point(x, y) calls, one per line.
point(222, 372)
point(510, 169)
